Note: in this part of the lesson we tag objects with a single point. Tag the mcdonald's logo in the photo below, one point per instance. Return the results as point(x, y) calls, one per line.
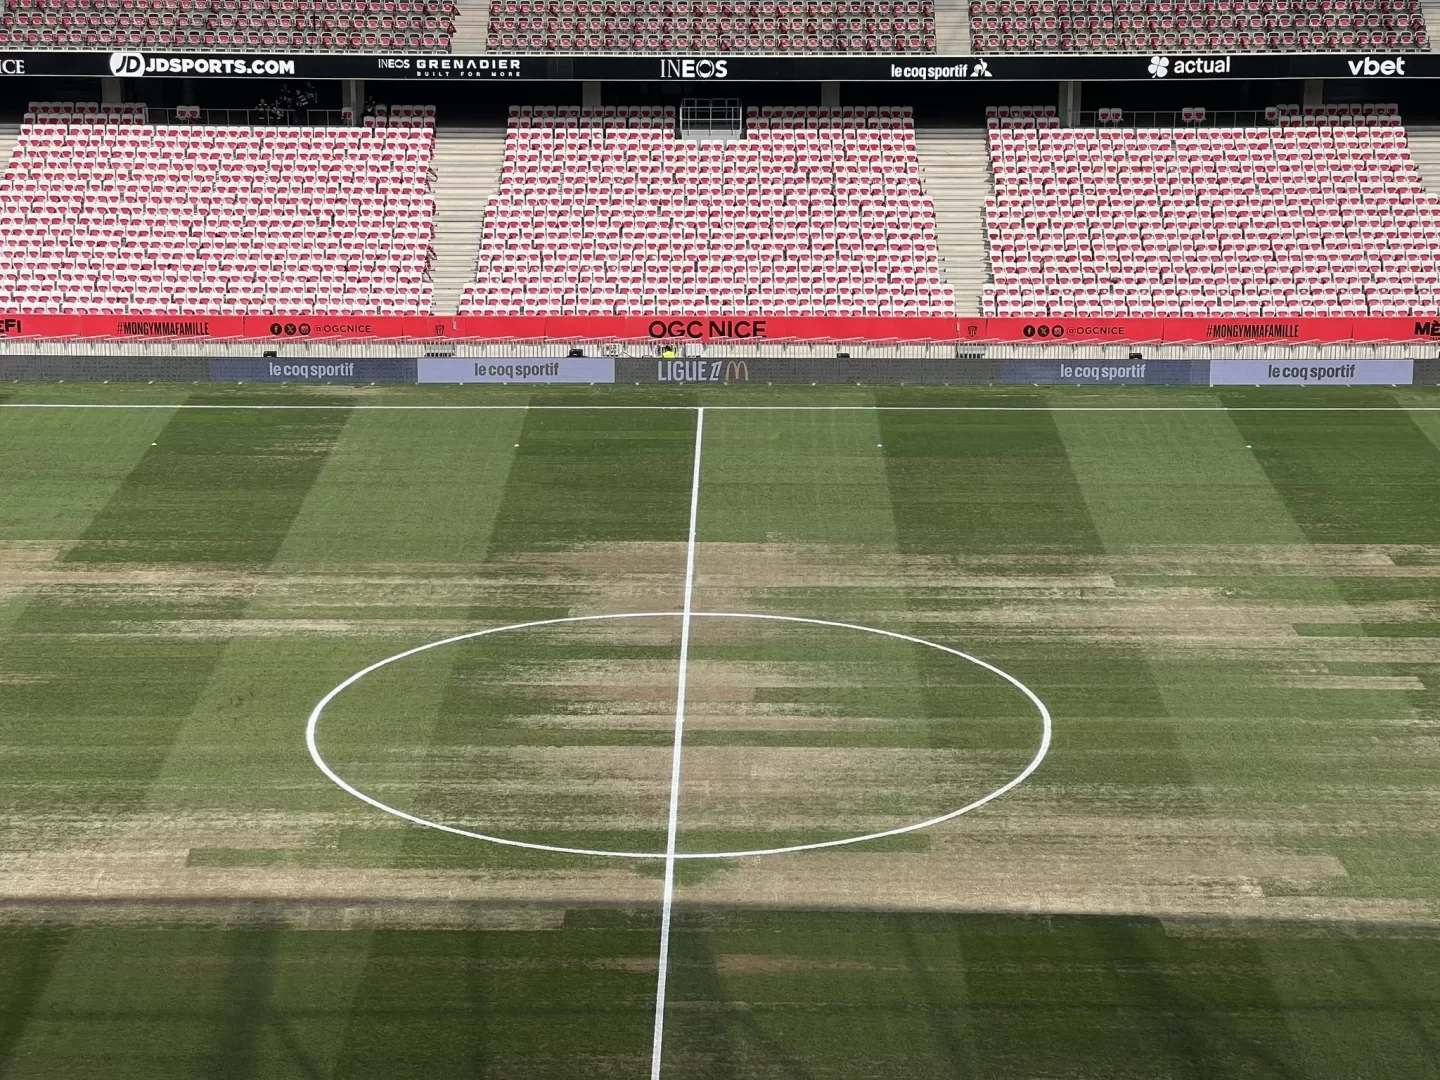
point(737, 371)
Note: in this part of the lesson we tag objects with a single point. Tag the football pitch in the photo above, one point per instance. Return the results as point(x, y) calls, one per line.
point(876, 732)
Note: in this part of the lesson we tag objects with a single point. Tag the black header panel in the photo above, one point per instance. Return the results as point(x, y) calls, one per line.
point(907, 69)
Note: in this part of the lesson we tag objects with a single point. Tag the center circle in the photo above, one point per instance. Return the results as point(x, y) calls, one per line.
point(313, 725)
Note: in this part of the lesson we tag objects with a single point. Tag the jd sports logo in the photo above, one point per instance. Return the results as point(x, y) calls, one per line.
point(1370, 66)
point(127, 63)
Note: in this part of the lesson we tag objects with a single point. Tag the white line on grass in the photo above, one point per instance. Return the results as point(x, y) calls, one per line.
point(770, 408)
point(312, 728)
point(673, 827)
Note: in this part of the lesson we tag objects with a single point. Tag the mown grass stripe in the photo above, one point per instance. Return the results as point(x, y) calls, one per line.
point(1350, 478)
point(103, 666)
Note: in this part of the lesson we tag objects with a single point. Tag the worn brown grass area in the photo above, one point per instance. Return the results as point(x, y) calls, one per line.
point(1041, 879)
point(846, 790)
point(1040, 849)
point(1351, 682)
point(346, 913)
point(135, 867)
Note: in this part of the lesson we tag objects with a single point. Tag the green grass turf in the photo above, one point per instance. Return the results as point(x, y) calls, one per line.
point(1230, 613)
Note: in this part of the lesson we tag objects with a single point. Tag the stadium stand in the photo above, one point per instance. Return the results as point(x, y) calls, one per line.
point(607, 212)
point(1229, 26)
point(102, 211)
point(219, 25)
point(713, 26)
point(1321, 211)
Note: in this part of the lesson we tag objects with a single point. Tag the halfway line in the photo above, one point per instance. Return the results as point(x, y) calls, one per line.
point(657, 1042)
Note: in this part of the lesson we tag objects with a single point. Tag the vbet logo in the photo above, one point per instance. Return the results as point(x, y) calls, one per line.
point(1161, 66)
point(1367, 65)
point(135, 63)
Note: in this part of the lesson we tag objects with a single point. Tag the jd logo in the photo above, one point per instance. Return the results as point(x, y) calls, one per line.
point(127, 63)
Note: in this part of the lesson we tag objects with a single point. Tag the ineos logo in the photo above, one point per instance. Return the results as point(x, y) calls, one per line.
point(1043, 331)
point(694, 69)
point(289, 329)
point(127, 63)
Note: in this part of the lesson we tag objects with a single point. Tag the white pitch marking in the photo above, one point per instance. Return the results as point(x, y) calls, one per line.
point(673, 825)
point(752, 408)
point(324, 766)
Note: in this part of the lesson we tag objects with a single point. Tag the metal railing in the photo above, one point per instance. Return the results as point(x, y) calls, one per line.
point(275, 117)
point(1177, 118)
point(712, 118)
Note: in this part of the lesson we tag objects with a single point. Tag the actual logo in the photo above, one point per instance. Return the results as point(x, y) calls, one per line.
point(127, 63)
point(1161, 66)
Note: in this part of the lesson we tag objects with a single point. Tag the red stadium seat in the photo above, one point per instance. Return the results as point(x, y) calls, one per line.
point(607, 212)
point(136, 217)
point(1321, 211)
point(1146, 26)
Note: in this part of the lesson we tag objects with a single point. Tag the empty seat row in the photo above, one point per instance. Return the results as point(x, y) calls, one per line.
point(1149, 26)
point(138, 217)
point(609, 212)
point(713, 26)
point(1295, 218)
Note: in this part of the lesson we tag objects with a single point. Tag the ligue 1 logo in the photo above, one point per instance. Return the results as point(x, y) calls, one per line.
point(127, 63)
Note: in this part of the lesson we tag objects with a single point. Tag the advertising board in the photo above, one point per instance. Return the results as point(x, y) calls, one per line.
point(283, 369)
point(718, 69)
point(1100, 373)
point(1316, 373)
point(298, 329)
point(537, 369)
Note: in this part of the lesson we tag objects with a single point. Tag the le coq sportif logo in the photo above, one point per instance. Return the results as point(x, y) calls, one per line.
point(1159, 67)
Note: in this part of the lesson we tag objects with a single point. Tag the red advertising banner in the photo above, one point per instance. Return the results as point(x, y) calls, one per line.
point(721, 328)
point(1065, 331)
point(1258, 331)
point(349, 327)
